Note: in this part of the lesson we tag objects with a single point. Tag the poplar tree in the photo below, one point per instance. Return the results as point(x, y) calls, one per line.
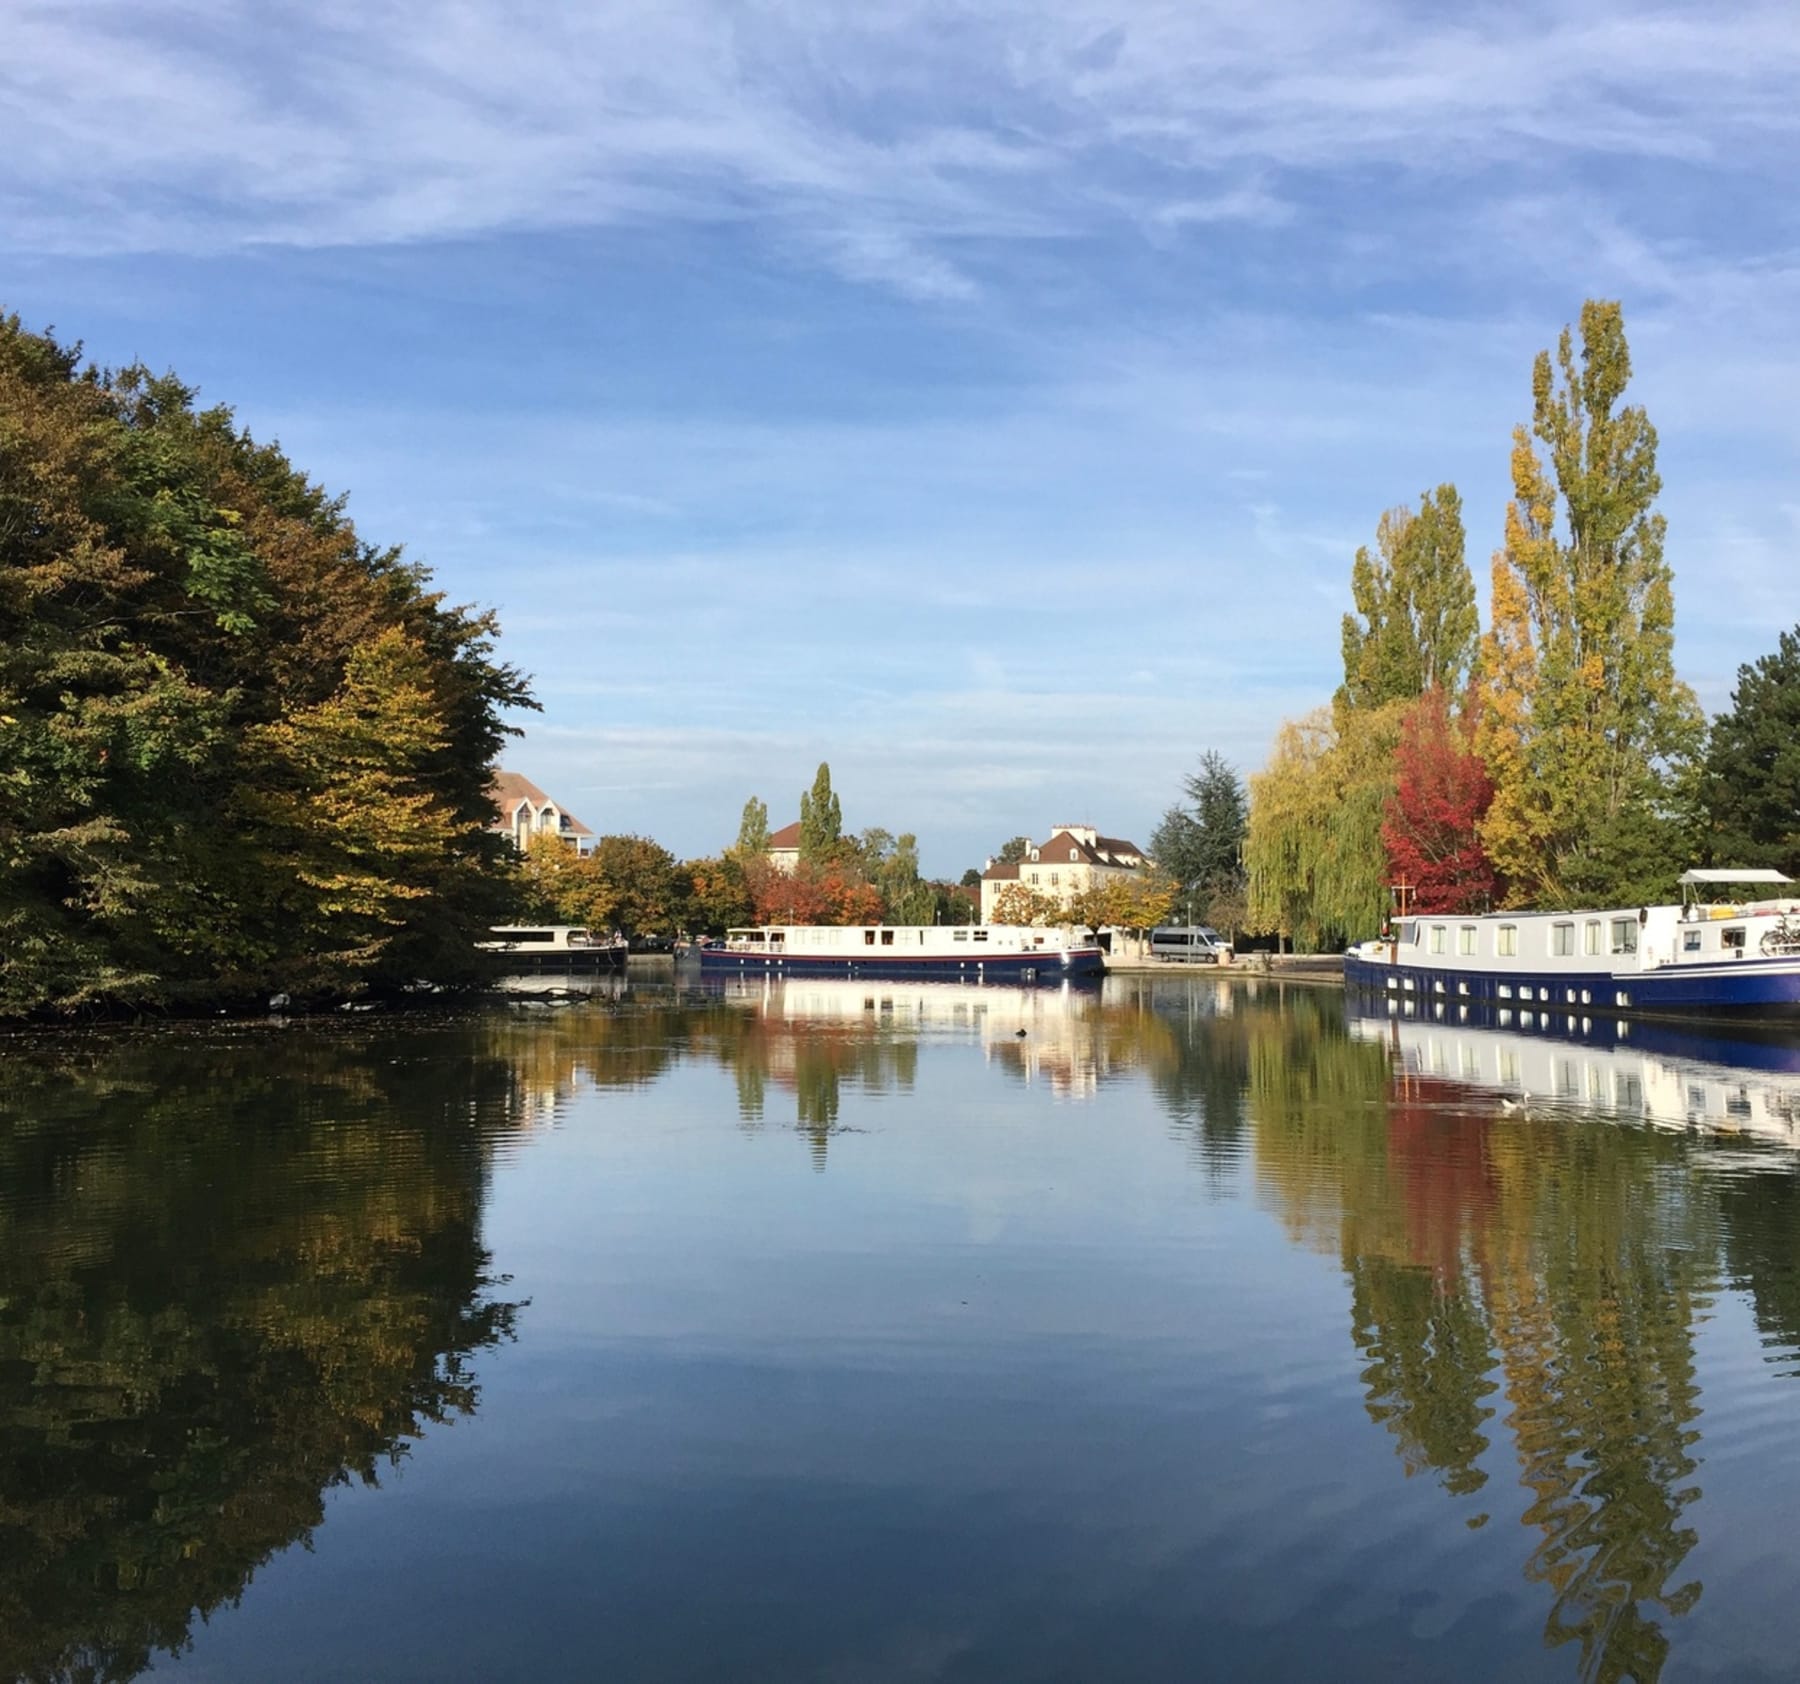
point(821, 819)
point(1583, 712)
point(753, 830)
point(1415, 624)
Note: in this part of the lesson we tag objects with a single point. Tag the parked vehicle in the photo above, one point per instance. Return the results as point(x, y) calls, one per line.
point(1192, 944)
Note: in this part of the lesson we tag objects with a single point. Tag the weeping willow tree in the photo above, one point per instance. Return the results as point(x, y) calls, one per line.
point(1313, 850)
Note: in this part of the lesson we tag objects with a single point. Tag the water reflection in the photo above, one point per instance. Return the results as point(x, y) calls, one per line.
point(241, 1270)
point(236, 1275)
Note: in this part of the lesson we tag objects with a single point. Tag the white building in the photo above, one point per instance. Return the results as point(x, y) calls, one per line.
point(522, 811)
point(1074, 859)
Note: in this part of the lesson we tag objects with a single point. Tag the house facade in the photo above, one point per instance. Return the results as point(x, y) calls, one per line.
point(783, 851)
point(1075, 859)
point(522, 811)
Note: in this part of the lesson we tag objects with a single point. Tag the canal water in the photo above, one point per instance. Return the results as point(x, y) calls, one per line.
point(1189, 1329)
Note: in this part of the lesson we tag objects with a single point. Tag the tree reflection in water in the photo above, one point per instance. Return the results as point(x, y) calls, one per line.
point(1542, 1270)
point(236, 1276)
point(236, 1280)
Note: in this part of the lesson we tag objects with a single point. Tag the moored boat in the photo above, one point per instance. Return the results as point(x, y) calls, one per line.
point(952, 952)
point(1737, 958)
point(519, 949)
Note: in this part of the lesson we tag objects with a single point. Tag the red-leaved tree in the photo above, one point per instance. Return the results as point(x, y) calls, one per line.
point(1431, 828)
point(813, 894)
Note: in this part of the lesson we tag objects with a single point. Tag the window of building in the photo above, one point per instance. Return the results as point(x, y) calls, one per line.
point(1732, 939)
point(1507, 944)
point(1074, 854)
point(1055, 878)
point(1034, 877)
point(1590, 941)
point(1562, 940)
point(1465, 939)
point(1438, 933)
point(1624, 935)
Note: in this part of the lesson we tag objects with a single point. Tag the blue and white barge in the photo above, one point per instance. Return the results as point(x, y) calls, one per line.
point(1736, 958)
point(948, 952)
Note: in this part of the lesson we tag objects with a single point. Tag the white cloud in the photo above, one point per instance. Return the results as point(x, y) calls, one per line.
point(883, 140)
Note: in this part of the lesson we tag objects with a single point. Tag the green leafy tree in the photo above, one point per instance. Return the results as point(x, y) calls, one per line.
point(1013, 850)
point(1750, 788)
point(821, 820)
point(197, 654)
point(1313, 850)
point(1583, 715)
point(1415, 623)
point(753, 830)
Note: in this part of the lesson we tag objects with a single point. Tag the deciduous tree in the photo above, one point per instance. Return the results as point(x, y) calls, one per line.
point(753, 830)
point(1431, 828)
point(1583, 713)
point(1415, 623)
point(821, 819)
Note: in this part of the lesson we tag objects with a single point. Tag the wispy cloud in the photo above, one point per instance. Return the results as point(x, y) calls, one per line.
point(888, 142)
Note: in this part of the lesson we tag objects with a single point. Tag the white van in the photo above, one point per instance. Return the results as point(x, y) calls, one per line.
point(1193, 944)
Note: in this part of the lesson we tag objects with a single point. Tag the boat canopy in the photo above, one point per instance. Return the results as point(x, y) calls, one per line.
point(1742, 874)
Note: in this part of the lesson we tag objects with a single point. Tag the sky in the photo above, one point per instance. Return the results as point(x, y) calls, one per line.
point(986, 400)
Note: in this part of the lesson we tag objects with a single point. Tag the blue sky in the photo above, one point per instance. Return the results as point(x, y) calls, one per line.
point(988, 400)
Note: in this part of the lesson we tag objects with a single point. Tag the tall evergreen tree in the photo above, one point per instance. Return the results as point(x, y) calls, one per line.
point(1750, 788)
point(1199, 843)
point(1583, 712)
point(1415, 623)
point(821, 819)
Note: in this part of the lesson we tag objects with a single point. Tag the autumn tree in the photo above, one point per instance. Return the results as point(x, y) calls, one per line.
point(814, 893)
point(1415, 623)
point(1019, 904)
point(1431, 827)
point(821, 819)
point(1582, 712)
point(718, 894)
point(1136, 902)
point(1750, 785)
point(204, 668)
point(1317, 871)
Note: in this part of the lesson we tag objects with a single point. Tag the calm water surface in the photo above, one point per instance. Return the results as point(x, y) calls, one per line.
point(843, 1332)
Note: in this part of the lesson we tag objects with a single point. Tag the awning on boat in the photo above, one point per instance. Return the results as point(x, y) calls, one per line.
point(1744, 874)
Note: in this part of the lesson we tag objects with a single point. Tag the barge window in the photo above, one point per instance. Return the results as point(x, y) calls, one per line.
point(887, 938)
point(1624, 935)
point(1508, 944)
point(981, 935)
point(868, 938)
point(1437, 938)
point(1465, 939)
point(1690, 941)
point(959, 935)
point(1591, 936)
point(1732, 939)
point(1562, 940)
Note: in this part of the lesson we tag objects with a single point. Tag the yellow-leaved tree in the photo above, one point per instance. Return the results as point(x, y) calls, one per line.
point(1583, 716)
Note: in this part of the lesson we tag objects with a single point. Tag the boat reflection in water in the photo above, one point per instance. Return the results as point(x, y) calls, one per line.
point(1656, 1073)
point(1060, 1036)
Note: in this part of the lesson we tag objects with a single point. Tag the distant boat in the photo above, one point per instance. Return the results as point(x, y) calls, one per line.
point(1733, 959)
point(949, 952)
point(529, 948)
